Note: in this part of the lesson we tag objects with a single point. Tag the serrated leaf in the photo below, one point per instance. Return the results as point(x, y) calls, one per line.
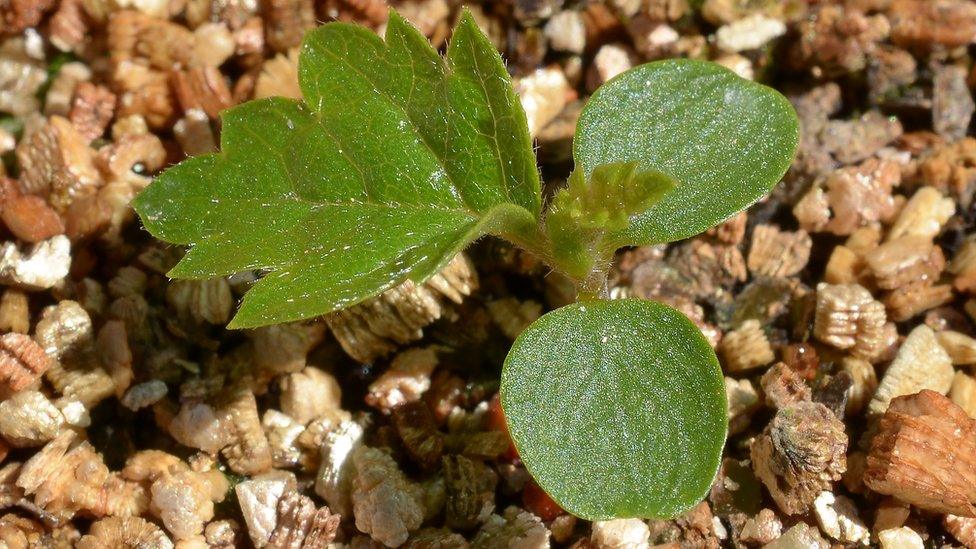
point(395, 161)
point(606, 200)
point(725, 140)
point(617, 408)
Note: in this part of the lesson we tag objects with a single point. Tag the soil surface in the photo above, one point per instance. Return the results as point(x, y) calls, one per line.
point(841, 306)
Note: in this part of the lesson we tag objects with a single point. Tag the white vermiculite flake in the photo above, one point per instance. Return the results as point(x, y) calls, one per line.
point(838, 519)
point(749, 33)
point(387, 505)
point(258, 498)
point(42, 268)
point(621, 534)
point(921, 363)
point(334, 477)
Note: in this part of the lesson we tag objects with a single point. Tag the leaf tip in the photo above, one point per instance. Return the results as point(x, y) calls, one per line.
point(393, 17)
point(466, 16)
point(237, 324)
point(246, 318)
point(467, 26)
point(180, 270)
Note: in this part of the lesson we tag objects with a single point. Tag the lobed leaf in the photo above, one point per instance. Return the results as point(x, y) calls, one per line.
point(617, 408)
point(395, 161)
point(725, 140)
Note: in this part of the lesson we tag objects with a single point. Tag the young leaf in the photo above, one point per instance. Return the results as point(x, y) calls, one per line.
point(617, 408)
point(395, 161)
point(613, 193)
point(725, 140)
point(583, 214)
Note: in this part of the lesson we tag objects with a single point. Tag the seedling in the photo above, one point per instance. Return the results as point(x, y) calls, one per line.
point(398, 159)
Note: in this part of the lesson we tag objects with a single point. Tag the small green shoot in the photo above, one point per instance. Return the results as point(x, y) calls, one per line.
point(398, 158)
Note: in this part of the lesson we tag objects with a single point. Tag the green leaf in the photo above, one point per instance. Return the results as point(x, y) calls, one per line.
point(613, 193)
point(588, 212)
point(726, 140)
point(617, 408)
point(396, 160)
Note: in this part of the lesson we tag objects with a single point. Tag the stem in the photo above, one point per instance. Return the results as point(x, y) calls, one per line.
point(577, 254)
point(593, 287)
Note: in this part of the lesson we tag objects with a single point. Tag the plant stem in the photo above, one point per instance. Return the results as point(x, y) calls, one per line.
point(594, 286)
point(576, 254)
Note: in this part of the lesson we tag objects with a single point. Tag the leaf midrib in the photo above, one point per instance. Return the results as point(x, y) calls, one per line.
point(413, 125)
point(443, 88)
point(297, 196)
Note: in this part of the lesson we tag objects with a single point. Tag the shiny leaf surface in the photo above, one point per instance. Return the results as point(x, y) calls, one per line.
point(725, 140)
point(395, 161)
point(617, 408)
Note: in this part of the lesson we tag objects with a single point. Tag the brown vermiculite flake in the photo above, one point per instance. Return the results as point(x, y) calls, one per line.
point(30, 218)
point(124, 532)
point(960, 347)
point(22, 361)
point(745, 348)
point(849, 198)
point(279, 77)
point(961, 528)
point(852, 285)
point(783, 386)
point(470, 492)
point(299, 524)
point(249, 452)
point(76, 372)
point(194, 134)
point(924, 453)
point(921, 363)
point(848, 317)
point(29, 419)
point(286, 21)
point(386, 504)
point(14, 313)
point(799, 454)
point(778, 253)
point(963, 392)
point(925, 213)
point(743, 400)
point(905, 260)
point(92, 109)
point(202, 88)
point(378, 326)
point(67, 476)
point(57, 160)
point(512, 316)
point(891, 513)
point(415, 425)
point(909, 301)
point(864, 381)
point(202, 300)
